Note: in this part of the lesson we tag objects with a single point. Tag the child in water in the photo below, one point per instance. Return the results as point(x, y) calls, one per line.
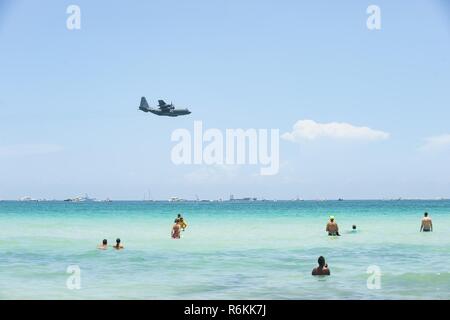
point(183, 224)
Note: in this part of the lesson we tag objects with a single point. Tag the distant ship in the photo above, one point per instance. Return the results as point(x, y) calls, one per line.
point(175, 199)
point(232, 198)
point(27, 199)
point(197, 199)
point(84, 198)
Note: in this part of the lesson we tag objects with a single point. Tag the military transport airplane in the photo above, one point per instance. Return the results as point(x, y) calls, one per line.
point(163, 109)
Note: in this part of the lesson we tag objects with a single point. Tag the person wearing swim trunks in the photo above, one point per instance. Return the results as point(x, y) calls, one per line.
point(427, 224)
point(176, 229)
point(322, 269)
point(332, 227)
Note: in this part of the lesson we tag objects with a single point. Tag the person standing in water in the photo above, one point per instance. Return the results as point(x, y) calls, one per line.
point(332, 227)
point(322, 269)
point(427, 224)
point(181, 222)
point(176, 229)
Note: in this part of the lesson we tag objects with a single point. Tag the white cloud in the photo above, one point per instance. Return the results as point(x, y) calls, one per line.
point(436, 143)
point(311, 130)
point(28, 149)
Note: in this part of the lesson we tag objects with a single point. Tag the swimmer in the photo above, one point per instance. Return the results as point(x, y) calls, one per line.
point(427, 224)
point(118, 246)
point(178, 218)
point(104, 245)
point(352, 230)
point(322, 269)
point(332, 227)
point(176, 229)
point(183, 224)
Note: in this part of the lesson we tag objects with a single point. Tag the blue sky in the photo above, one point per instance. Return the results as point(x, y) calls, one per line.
point(69, 122)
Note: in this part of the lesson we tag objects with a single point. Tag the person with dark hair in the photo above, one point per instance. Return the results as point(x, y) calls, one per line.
point(104, 245)
point(178, 218)
point(427, 224)
point(352, 230)
point(118, 246)
point(322, 269)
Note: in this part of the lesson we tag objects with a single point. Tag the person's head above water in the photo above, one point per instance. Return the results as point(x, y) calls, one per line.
point(322, 269)
point(105, 242)
point(354, 227)
point(321, 261)
point(425, 214)
point(117, 241)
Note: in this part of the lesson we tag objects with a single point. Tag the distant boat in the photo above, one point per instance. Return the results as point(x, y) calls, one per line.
point(175, 199)
point(340, 199)
point(27, 199)
point(149, 197)
point(243, 199)
point(84, 198)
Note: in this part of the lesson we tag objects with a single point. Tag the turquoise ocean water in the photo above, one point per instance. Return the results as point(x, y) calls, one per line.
point(231, 250)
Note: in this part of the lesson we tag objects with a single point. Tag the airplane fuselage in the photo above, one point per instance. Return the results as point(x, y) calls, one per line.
point(167, 113)
point(164, 109)
point(170, 113)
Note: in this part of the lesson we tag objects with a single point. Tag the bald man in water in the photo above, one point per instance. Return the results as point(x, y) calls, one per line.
point(427, 224)
point(332, 227)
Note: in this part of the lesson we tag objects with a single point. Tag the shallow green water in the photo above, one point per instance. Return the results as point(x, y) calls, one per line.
point(256, 250)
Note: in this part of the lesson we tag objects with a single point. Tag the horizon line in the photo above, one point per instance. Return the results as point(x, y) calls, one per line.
point(225, 200)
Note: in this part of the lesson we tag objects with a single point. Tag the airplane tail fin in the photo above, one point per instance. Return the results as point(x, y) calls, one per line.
point(144, 104)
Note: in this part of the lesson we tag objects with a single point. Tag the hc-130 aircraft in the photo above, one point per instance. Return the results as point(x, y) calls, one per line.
point(163, 109)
